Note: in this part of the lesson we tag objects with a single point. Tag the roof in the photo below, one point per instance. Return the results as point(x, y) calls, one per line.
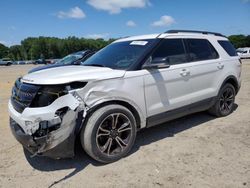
point(196, 32)
point(173, 33)
point(140, 37)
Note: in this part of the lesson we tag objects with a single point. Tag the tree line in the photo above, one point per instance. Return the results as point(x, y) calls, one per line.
point(33, 48)
point(240, 41)
point(52, 48)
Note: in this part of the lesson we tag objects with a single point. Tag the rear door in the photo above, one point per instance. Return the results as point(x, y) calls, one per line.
point(204, 70)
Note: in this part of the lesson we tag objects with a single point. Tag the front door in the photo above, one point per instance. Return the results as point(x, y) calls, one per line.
point(168, 88)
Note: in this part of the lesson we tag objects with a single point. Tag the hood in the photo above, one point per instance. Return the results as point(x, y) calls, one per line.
point(67, 74)
point(46, 67)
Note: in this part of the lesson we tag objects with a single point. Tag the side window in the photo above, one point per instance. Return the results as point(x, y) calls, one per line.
point(228, 47)
point(173, 50)
point(200, 49)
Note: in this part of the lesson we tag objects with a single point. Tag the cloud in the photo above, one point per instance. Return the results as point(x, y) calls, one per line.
point(75, 13)
point(131, 23)
point(116, 6)
point(98, 36)
point(6, 43)
point(164, 21)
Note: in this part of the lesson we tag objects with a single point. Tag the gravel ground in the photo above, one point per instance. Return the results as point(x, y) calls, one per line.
point(194, 151)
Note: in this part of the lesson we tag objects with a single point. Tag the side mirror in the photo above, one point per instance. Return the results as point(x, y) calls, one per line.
point(157, 63)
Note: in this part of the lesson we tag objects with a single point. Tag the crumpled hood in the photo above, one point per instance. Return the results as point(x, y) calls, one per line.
point(67, 74)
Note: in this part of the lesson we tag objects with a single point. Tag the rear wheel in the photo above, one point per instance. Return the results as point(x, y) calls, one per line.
point(109, 133)
point(225, 101)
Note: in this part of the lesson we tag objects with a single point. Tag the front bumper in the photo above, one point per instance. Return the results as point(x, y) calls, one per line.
point(63, 150)
point(58, 143)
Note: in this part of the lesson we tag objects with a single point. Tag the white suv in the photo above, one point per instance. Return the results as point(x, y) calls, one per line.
point(131, 84)
point(244, 53)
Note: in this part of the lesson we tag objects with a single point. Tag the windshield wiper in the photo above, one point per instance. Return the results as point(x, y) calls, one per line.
point(94, 65)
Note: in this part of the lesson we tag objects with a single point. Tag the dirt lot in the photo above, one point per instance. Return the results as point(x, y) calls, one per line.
point(194, 151)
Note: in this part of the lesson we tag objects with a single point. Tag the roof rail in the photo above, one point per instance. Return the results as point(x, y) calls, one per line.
point(193, 31)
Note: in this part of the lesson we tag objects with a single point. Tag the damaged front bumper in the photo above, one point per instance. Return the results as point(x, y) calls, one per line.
point(51, 130)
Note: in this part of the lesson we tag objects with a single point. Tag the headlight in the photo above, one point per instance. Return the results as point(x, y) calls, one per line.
point(48, 94)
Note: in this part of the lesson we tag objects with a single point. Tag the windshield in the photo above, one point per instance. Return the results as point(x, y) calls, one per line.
point(239, 50)
point(119, 55)
point(69, 59)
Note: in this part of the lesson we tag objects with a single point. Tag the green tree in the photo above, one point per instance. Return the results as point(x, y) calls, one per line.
point(238, 41)
point(4, 51)
point(17, 52)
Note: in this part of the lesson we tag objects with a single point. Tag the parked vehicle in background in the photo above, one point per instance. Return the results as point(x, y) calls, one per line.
point(29, 62)
point(21, 62)
point(53, 61)
point(244, 53)
point(15, 63)
point(131, 84)
point(6, 61)
point(239, 50)
point(50, 61)
point(71, 59)
point(40, 61)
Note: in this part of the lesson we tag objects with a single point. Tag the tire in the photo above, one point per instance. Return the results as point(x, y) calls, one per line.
point(225, 101)
point(106, 143)
point(8, 64)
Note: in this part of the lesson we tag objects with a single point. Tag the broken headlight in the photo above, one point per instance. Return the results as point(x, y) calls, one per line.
point(48, 94)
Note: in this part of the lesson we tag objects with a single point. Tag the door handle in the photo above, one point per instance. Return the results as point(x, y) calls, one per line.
point(220, 66)
point(185, 72)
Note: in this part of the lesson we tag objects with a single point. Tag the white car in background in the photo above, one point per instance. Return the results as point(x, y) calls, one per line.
point(6, 61)
point(131, 84)
point(244, 53)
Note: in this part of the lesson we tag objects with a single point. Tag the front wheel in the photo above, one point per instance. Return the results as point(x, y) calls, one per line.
point(109, 134)
point(225, 101)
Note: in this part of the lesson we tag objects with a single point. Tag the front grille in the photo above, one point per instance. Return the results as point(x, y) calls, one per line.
point(22, 95)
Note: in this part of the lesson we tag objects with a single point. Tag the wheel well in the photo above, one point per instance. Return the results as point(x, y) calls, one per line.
point(233, 81)
point(122, 103)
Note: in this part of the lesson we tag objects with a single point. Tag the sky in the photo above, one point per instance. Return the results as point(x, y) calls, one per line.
point(20, 19)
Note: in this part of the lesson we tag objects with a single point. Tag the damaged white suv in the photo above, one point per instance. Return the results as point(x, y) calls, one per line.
point(133, 83)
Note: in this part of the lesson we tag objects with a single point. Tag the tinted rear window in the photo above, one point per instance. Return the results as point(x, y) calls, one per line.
point(200, 49)
point(228, 47)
